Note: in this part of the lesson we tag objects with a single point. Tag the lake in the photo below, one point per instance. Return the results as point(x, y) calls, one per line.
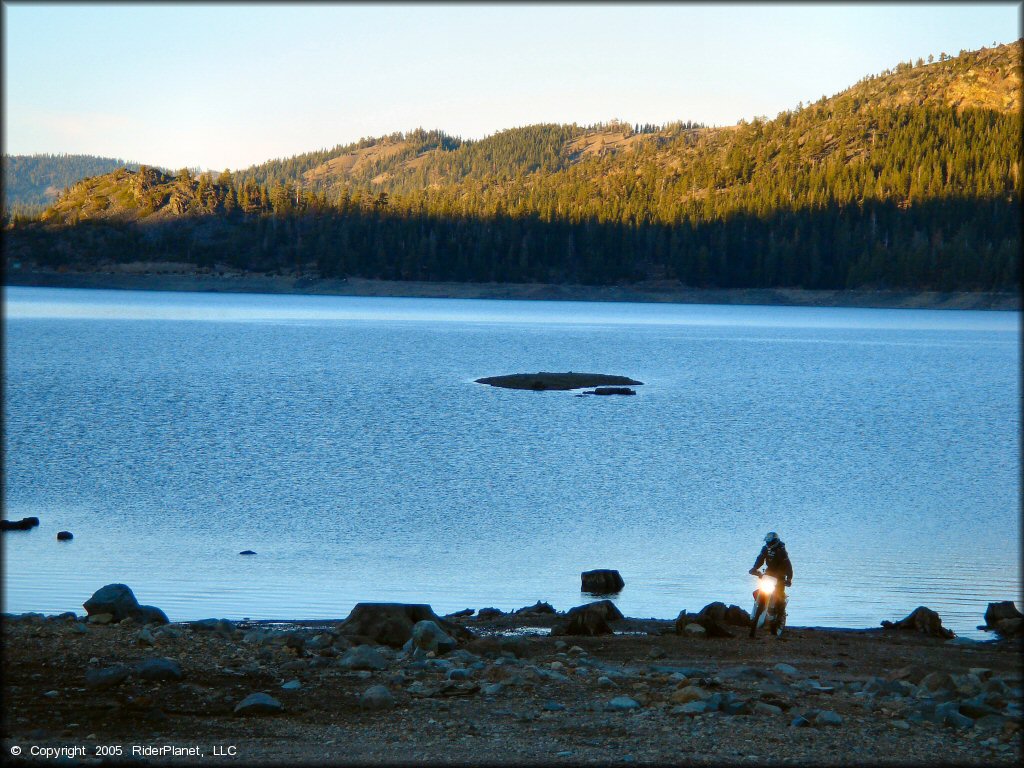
point(345, 441)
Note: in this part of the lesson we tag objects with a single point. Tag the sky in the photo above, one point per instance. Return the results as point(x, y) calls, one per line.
point(227, 86)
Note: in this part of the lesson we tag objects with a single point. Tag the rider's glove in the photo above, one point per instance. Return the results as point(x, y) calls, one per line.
point(752, 571)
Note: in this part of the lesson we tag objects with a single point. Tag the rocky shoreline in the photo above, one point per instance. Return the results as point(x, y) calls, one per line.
point(163, 277)
point(387, 685)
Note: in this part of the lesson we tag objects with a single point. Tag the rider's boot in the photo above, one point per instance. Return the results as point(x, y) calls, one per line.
point(780, 623)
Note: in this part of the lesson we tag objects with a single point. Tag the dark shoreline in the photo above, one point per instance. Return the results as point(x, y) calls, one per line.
point(652, 292)
point(287, 695)
point(512, 624)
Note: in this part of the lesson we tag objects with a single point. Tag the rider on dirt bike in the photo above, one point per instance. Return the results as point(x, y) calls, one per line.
point(776, 561)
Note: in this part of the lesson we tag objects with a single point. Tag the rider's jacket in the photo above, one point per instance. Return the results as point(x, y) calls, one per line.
point(776, 560)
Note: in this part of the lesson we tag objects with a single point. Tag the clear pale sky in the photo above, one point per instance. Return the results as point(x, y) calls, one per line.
point(230, 85)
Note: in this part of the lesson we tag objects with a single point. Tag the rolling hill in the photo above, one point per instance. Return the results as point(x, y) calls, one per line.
point(33, 182)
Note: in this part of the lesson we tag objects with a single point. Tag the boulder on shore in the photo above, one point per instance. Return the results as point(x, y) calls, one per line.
point(589, 620)
point(106, 677)
point(258, 704)
point(428, 636)
point(377, 697)
point(158, 669)
point(923, 620)
point(362, 657)
point(118, 601)
point(603, 581)
point(715, 618)
point(1004, 619)
point(392, 623)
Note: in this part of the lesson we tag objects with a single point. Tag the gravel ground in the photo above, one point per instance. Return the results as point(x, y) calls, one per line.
point(514, 698)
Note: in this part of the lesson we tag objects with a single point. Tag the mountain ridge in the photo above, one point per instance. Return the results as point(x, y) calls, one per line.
point(989, 78)
point(871, 187)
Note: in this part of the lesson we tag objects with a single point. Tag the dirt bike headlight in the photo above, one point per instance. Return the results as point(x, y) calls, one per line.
point(767, 585)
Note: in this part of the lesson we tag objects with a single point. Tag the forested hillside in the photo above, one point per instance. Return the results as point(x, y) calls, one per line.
point(33, 182)
point(908, 179)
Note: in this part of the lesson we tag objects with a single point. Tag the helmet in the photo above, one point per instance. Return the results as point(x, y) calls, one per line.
point(771, 538)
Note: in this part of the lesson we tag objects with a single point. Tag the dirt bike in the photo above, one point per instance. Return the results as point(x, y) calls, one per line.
point(767, 607)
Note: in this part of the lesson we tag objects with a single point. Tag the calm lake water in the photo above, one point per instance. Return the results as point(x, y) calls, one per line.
point(345, 441)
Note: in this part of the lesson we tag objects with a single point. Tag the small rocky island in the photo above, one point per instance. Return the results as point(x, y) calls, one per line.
point(540, 382)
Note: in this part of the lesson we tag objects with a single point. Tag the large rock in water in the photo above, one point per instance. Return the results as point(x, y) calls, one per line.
point(539, 382)
point(391, 623)
point(590, 619)
point(25, 524)
point(601, 582)
point(923, 620)
point(119, 602)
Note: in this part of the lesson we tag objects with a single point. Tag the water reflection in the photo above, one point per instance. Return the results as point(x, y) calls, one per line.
point(344, 440)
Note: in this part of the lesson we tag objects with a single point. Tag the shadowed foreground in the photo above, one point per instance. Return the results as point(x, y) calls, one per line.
point(847, 696)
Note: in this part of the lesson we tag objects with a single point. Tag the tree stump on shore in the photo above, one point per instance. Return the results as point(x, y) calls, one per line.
point(1004, 619)
point(923, 620)
point(391, 623)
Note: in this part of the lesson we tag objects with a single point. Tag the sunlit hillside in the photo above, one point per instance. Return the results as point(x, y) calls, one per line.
point(907, 178)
